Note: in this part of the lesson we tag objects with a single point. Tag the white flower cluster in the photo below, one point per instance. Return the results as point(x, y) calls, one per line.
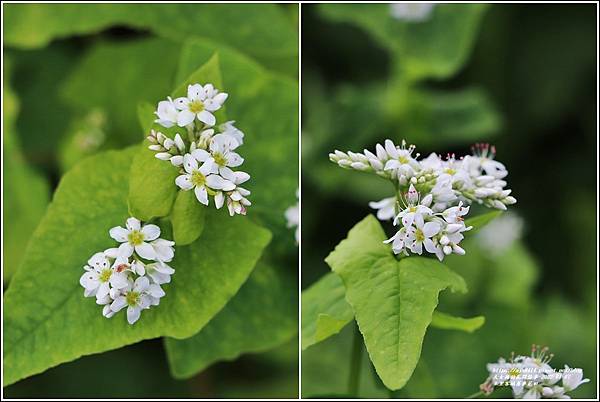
point(448, 186)
point(130, 275)
point(413, 12)
point(207, 155)
point(292, 215)
point(532, 377)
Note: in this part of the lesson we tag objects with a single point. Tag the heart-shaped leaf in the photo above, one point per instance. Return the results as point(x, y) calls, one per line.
point(393, 301)
point(261, 316)
point(47, 320)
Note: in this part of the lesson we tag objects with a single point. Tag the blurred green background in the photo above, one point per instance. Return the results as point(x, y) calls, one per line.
point(522, 77)
point(73, 78)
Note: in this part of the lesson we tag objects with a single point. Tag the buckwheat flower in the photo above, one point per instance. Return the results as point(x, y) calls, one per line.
point(159, 272)
point(572, 378)
point(221, 153)
point(99, 277)
point(200, 178)
point(164, 249)
point(415, 209)
point(401, 160)
point(135, 297)
point(484, 158)
point(386, 208)
point(135, 237)
point(200, 102)
point(398, 241)
point(455, 214)
point(229, 129)
point(411, 12)
point(167, 113)
point(420, 234)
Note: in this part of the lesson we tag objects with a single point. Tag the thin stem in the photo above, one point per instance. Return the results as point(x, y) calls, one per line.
point(355, 363)
point(475, 395)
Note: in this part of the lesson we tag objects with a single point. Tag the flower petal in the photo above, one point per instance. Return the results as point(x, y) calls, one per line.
point(133, 314)
point(118, 304)
point(190, 163)
point(201, 155)
point(431, 229)
point(207, 117)
point(184, 182)
point(119, 234)
point(145, 250)
point(201, 195)
point(125, 250)
point(151, 232)
point(185, 117)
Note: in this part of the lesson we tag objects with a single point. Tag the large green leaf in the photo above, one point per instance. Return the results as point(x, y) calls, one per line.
point(25, 192)
point(261, 30)
point(265, 108)
point(393, 300)
point(435, 48)
point(187, 218)
point(325, 312)
point(125, 74)
point(152, 189)
point(263, 314)
point(480, 221)
point(47, 320)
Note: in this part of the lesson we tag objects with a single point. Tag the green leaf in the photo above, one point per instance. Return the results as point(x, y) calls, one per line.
point(436, 48)
point(261, 316)
point(480, 221)
point(152, 189)
point(261, 30)
point(265, 108)
point(447, 321)
point(125, 74)
point(324, 310)
point(25, 192)
point(393, 301)
point(187, 218)
point(146, 116)
point(47, 320)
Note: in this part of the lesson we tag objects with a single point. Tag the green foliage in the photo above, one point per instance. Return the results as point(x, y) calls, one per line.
point(261, 30)
point(152, 190)
point(447, 321)
point(393, 300)
point(480, 221)
point(25, 192)
point(324, 310)
point(260, 317)
point(187, 218)
point(125, 74)
point(433, 48)
point(47, 320)
point(263, 105)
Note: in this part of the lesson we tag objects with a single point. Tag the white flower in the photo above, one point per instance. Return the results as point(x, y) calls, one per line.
point(164, 249)
point(572, 378)
point(167, 113)
point(137, 296)
point(199, 178)
point(159, 272)
point(421, 234)
point(221, 153)
point(236, 198)
point(99, 277)
point(398, 241)
point(455, 214)
point(401, 160)
point(412, 12)
point(415, 209)
point(386, 208)
point(229, 129)
point(135, 238)
point(200, 102)
point(292, 215)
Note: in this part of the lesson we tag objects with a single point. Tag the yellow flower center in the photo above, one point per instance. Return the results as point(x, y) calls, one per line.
point(419, 236)
point(135, 237)
point(514, 372)
point(196, 106)
point(132, 298)
point(412, 209)
point(403, 159)
point(105, 275)
point(219, 159)
point(450, 171)
point(198, 179)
